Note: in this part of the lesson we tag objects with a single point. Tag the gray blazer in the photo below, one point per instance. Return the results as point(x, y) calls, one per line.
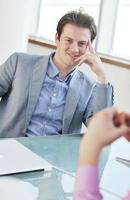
point(21, 79)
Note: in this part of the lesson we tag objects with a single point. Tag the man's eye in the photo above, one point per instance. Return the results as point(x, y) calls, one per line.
point(82, 44)
point(68, 40)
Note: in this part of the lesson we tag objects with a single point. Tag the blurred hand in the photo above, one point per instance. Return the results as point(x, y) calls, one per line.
point(104, 128)
point(123, 118)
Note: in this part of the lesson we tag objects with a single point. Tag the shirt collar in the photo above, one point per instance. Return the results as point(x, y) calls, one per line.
point(54, 72)
point(52, 69)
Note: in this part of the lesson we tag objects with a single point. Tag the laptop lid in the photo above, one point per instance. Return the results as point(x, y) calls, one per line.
point(16, 158)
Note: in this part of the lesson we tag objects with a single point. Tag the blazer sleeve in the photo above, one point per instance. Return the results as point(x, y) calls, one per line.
point(7, 71)
point(101, 97)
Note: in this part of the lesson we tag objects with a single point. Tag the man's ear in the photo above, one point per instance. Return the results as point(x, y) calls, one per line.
point(57, 38)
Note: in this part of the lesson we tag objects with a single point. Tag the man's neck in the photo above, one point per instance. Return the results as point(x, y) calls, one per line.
point(64, 71)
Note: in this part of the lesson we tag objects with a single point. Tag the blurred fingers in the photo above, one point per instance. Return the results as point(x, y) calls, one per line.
point(123, 118)
point(91, 49)
point(127, 136)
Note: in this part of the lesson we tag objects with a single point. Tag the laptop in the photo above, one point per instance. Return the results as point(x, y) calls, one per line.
point(16, 158)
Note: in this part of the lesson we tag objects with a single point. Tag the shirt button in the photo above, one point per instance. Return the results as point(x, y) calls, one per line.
point(54, 94)
point(49, 109)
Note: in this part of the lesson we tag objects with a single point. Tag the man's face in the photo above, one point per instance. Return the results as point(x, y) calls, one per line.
point(71, 44)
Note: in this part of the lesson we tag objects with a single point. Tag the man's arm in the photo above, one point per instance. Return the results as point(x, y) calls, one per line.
point(7, 71)
point(101, 97)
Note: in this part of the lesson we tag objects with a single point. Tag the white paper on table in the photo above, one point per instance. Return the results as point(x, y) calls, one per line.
point(116, 176)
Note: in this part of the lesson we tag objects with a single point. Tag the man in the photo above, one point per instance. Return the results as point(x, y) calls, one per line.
point(44, 95)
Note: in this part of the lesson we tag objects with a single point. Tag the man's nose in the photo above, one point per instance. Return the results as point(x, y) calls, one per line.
point(74, 47)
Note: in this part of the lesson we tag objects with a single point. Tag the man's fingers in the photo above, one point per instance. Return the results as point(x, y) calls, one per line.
point(81, 59)
point(91, 49)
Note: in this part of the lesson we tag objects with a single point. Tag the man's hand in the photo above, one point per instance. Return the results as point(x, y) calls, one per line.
point(93, 60)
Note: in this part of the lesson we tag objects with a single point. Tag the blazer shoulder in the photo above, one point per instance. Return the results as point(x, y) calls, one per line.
point(30, 60)
point(26, 56)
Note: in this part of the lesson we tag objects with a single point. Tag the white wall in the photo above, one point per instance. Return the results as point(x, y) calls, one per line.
point(37, 49)
point(17, 20)
point(118, 77)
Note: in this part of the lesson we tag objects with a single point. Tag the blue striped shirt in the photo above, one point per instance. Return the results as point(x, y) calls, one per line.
point(48, 114)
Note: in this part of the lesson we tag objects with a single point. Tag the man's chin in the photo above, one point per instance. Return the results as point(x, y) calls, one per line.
point(75, 64)
point(72, 64)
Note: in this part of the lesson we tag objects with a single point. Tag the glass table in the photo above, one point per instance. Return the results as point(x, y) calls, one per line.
point(62, 152)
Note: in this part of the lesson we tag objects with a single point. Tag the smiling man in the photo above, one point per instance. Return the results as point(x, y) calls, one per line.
point(47, 95)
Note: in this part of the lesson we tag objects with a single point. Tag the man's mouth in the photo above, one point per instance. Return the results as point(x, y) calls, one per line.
point(73, 56)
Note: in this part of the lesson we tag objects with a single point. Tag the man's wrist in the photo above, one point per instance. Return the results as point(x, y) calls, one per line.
point(102, 79)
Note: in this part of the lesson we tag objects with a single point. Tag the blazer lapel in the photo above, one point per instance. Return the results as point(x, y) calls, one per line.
point(72, 99)
point(37, 78)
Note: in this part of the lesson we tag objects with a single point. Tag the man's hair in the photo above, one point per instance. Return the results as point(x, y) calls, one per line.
point(79, 19)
